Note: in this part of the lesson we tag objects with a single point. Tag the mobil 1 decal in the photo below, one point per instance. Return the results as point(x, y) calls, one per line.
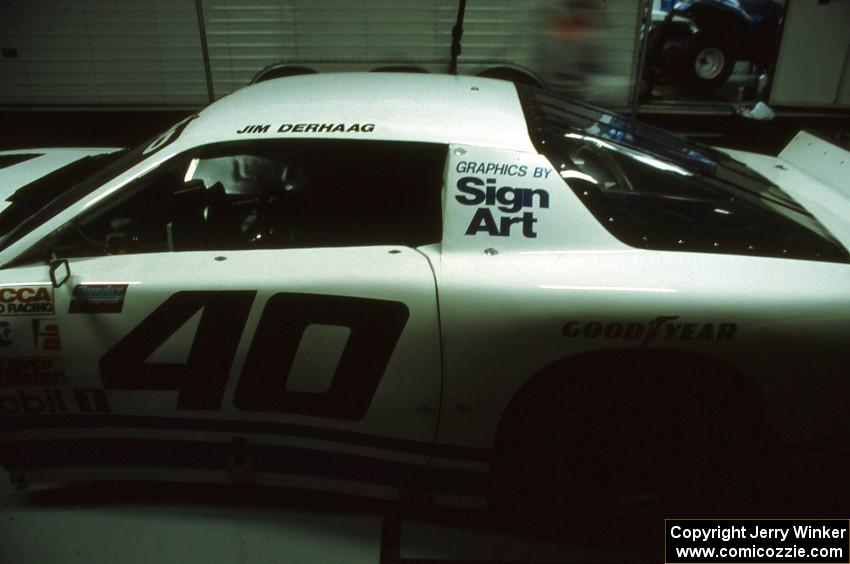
point(503, 197)
point(52, 400)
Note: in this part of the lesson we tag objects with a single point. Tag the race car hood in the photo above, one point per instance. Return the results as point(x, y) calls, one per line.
point(24, 166)
point(815, 173)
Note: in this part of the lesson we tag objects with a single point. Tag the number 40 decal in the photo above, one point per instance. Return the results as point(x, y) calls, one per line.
point(375, 327)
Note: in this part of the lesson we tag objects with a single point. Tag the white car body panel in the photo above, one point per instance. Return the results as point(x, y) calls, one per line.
point(409, 392)
point(833, 163)
point(504, 324)
point(524, 277)
point(412, 107)
point(825, 192)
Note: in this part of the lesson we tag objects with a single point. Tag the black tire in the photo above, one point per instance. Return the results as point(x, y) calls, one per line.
point(707, 63)
point(626, 447)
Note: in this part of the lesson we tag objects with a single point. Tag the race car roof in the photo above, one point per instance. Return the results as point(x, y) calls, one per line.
point(385, 106)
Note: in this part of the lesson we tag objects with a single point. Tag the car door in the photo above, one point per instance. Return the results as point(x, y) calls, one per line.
point(267, 290)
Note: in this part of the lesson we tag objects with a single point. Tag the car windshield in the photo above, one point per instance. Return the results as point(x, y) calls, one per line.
point(44, 198)
point(38, 201)
point(655, 190)
point(30, 198)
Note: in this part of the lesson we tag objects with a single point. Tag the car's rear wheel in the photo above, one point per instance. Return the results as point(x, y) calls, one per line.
point(623, 452)
point(624, 447)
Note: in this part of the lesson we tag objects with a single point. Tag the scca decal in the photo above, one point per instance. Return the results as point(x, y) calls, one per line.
point(506, 199)
point(309, 128)
point(375, 328)
point(26, 300)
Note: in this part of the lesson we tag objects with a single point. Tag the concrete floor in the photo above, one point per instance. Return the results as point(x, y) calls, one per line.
point(166, 522)
point(183, 532)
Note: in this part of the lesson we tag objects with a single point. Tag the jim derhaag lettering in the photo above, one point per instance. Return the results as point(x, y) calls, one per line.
point(308, 128)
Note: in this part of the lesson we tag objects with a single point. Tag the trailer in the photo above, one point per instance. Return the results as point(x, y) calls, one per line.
point(185, 53)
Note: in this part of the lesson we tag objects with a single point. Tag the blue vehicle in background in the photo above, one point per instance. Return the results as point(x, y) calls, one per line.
point(698, 42)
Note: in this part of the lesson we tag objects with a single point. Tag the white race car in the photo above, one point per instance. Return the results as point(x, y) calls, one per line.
point(427, 283)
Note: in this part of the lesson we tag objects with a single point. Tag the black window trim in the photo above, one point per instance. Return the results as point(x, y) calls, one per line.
point(35, 252)
point(545, 140)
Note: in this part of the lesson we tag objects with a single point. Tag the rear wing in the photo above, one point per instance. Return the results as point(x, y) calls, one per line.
point(819, 159)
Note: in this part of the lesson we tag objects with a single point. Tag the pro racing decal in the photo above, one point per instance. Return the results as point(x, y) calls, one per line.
point(26, 300)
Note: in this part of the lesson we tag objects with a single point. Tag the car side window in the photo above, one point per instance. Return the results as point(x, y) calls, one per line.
point(275, 194)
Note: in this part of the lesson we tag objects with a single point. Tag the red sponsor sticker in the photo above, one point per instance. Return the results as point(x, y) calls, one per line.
point(26, 300)
point(46, 335)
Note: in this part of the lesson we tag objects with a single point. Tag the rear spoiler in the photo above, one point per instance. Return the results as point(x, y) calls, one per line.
point(819, 159)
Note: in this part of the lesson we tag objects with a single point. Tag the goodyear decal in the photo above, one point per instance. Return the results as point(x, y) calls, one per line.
point(26, 300)
point(664, 327)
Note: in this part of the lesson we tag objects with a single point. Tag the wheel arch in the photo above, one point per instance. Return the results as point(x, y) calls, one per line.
point(578, 367)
